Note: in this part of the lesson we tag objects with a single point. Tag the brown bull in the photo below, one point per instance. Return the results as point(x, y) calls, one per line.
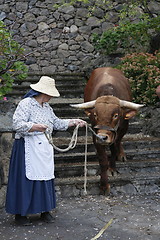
point(108, 104)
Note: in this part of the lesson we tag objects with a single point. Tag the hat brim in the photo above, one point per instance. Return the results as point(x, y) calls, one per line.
point(51, 92)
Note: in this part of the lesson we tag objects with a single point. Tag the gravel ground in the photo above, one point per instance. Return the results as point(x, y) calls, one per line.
point(130, 218)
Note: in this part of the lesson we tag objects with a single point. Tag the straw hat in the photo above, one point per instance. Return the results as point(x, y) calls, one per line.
point(47, 86)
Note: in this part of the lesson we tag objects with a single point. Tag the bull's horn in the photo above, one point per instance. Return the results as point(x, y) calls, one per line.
point(84, 105)
point(131, 105)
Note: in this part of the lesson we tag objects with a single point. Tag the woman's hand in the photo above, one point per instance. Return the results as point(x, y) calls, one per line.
point(38, 127)
point(75, 122)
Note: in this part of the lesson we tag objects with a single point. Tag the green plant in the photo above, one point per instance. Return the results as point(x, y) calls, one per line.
point(127, 37)
point(143, 72)
point(11, 64)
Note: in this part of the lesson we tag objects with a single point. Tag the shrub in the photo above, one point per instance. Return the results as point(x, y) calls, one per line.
point(127, 37)
point(143, 72)
point(11, 64)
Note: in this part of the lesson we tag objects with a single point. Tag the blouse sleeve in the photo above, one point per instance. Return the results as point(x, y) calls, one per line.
point(21, 115)
point(59, 124)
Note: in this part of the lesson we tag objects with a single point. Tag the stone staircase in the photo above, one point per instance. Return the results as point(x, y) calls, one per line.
point(69, 85)
point(141, 172)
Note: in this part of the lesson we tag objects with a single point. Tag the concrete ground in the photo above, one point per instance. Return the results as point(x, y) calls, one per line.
point(130, 218)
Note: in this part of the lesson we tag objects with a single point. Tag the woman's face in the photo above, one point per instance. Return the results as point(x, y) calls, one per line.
point(46, 97)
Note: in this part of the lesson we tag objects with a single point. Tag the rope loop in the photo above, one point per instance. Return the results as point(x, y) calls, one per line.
point(72, 145)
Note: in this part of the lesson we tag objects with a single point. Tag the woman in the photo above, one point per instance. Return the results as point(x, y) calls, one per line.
point(31, 173)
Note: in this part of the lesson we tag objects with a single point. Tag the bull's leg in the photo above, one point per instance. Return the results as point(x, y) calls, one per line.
point(113, 158)
point(117, 151)
point(120, 155)
point(104, 165)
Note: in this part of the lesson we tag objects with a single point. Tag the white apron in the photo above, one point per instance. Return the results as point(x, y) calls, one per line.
point(39, 158)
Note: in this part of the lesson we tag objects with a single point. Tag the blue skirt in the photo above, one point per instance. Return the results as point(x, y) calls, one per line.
point(25, 196)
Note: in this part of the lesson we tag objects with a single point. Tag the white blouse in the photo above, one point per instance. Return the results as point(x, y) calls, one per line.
point(29, 112)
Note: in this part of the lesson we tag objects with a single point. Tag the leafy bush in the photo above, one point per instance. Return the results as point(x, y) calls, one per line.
point(11, 64)
point(127, 37)
point(143, 72)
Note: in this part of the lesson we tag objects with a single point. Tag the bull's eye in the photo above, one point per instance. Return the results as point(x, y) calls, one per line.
point(115, 116)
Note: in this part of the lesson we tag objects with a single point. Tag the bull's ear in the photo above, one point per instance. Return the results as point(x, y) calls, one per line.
point(129, 114)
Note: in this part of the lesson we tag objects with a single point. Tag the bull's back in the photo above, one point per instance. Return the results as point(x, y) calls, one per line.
point(107, 81)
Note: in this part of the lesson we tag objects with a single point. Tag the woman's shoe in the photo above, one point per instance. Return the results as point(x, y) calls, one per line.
point(47, 217)
point(22, 220)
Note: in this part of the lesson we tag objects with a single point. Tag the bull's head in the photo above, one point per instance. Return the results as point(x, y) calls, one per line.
point(107, 113)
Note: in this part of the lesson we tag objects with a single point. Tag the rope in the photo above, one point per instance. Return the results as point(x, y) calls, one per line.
point(72, 145)
point(85, 163)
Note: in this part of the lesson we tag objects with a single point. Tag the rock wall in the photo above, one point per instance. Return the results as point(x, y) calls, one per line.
point(59, 39)
point(6, 141)
point(150, 119)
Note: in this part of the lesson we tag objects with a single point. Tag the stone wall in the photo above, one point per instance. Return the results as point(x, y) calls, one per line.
point(60, 40)
point(6, 141)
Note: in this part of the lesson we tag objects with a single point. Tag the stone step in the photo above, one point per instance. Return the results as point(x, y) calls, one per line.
point(69, 112)
point(129, 144)
point(61, 87)
point(124, 169)
point(60, 81)
point(132, 155)
point(57, 102)
point(69, 85)
point(34, 77)
point(130, 184)
point(70, 92)
point(134, 128)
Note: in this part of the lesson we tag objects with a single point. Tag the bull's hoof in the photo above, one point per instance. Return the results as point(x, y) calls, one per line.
point(109, 172)
point(122, 158)
point(105, 191)
point(115, 173)
point(112, 172)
